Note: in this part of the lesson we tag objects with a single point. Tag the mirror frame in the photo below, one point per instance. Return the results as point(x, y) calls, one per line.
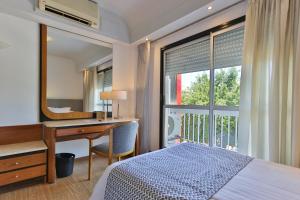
point(45, 113)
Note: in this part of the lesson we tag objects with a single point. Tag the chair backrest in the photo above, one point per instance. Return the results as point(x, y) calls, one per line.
point(124, 137)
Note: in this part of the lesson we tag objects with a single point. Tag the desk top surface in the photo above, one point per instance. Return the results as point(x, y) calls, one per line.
point(19, 148)
point(83, 122)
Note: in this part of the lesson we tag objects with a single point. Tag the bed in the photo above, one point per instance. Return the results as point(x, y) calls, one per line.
point(192, 171)
point(60, 105)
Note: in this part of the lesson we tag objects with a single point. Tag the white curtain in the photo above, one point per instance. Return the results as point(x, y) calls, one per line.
point(143, 96)
point(269, 125)
point(89, 89)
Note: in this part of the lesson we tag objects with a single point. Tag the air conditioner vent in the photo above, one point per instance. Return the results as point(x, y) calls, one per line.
point(67, 15)
point(83, 11)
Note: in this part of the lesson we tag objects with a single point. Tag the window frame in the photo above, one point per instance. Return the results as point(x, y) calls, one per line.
point(104, 105)
point(213, 32)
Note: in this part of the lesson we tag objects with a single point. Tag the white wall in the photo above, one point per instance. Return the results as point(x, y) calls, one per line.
point(124, 76)
point(79, 147)
point(19, 71)
point(19, 77)
point(215, 20)
point(64, 80)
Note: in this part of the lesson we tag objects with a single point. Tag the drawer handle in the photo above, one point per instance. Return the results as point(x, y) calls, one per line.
point(17, 176)
point(17, 163)
point(81, 131)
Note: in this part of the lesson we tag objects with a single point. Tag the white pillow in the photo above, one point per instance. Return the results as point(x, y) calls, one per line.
point(60, 110)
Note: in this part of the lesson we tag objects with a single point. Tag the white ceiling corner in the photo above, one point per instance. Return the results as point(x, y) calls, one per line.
point(126, 21)
point(146, 16)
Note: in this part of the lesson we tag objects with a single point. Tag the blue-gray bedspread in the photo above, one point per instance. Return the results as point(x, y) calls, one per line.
point(184, 171)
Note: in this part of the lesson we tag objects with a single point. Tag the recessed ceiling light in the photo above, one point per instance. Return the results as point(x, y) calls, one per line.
point(209, 7)
point(147, 39)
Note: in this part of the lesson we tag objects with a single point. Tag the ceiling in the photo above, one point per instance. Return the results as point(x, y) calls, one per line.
point(146, 16)
point(81, 50)
point(129, 21)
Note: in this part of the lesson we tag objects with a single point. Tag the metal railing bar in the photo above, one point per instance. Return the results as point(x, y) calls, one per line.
point(236, 130)
point(228, 131)
point(198, 126)
point(191, 111)
point(192, 123)
point(189, 116)
point(184, 126)
point(226, 113)
point(187, 107)
point(215, 130)
point(203, 132)
point(227, 108)
point(193, 127)
point(200, 107)
point(221, 131)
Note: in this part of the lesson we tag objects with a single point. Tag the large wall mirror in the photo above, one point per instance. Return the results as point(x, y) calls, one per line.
point(74, 70)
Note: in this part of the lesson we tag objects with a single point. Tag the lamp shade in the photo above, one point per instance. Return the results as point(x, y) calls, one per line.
point(114, 95)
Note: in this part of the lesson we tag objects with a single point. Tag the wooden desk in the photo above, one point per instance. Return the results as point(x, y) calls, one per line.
point(76, 129)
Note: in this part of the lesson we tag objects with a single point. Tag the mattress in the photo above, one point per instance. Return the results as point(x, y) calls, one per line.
point(258, 180)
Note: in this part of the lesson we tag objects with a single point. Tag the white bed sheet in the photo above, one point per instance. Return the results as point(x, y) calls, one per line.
point(259, 180)
point(262, 180)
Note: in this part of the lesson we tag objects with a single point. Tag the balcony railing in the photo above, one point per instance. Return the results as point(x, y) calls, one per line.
point(226, 129)
point(192, 125)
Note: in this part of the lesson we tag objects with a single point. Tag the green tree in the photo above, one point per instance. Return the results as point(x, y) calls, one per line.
point(226, 89)
point(226, 93)
point(198, 93)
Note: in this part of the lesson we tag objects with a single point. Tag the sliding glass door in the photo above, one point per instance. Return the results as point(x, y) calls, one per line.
point(201, 89)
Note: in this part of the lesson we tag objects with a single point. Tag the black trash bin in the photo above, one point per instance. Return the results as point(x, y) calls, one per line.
point(64, 164)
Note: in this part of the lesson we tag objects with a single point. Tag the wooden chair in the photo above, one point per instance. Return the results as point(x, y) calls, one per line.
point(121, 143)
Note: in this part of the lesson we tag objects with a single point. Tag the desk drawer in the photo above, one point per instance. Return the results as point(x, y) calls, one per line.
point(22, 175)
point(22, 161)
point(82, 130)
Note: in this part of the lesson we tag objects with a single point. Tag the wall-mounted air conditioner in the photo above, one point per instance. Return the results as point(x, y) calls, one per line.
point(83, 11)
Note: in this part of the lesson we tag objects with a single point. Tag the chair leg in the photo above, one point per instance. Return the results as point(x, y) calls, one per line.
point(90, 160)
point(110, 147)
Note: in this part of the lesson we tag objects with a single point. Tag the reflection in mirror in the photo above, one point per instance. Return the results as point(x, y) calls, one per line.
point(78, 69)
point(104, 84)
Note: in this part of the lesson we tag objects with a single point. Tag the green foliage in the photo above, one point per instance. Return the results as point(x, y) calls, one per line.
point(198, 93)
point(227, 87)
point(226, 91)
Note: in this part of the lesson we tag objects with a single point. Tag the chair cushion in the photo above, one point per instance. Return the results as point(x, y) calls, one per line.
point(103, 147)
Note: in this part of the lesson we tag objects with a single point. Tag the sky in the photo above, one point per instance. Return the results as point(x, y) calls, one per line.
point(188, 78)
